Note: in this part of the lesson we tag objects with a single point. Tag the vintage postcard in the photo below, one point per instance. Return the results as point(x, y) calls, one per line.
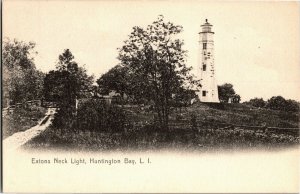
point(150, 96)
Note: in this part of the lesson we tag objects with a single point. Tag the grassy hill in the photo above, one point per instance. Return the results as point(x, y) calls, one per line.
point(236, 114)
point(209, 134)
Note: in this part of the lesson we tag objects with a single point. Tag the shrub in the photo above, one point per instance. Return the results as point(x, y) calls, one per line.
point(279, 103)
point(227, 92)
point(64, 118)
point(95, 115)
point(292, 105)
point(257, 102)
point(21, 119)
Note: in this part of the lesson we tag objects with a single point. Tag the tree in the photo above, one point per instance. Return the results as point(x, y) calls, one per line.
point(155, 61)
point(257, 102)
point(226, 92)
point(115, 79)
point(64, 85)
point(54, 88)
point(292, 105)
point(280, 103)
point(236, 98)
point(276, 103)
point(66, 61)
point(67, 82)
point(184, 97)
point(21, 80)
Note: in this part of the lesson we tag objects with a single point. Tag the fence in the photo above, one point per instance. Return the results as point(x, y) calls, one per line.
point(28, 104)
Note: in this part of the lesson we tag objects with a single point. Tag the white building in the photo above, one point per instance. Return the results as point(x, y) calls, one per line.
point(209, 89)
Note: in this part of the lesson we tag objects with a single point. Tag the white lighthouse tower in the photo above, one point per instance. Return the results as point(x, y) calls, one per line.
point(209, 89)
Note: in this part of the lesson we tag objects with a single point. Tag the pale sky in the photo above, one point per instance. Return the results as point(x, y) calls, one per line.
point(257, 44)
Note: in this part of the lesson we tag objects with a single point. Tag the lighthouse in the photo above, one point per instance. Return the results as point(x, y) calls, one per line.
point(207, 73)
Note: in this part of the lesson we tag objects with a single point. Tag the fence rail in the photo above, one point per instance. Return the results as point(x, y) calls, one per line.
point(28, 104)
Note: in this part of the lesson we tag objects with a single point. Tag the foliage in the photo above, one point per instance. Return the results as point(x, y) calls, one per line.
point(227, 92)
point(64, 85)
point(241, 114)
point(203, 129)
point(115, 79)
point(194, 121)
point(21, 119)
point(292, 105)
point(145, 138)
point(183, 97)
point(275, 103)
point(257, 102)
point(155, 62)
point(279, 103)
point(238, 137)
point(64, 117)
point(67, 82)
point(21, 80)
point(236, 98)
point(97, 116)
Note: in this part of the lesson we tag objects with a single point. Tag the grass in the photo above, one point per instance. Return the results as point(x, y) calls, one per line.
point(21, 119)
point(143, 136)
point(240, 114)
point(147, 139)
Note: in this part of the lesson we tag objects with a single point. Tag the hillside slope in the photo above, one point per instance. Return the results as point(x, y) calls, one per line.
point(236, 114)
point(240, 114)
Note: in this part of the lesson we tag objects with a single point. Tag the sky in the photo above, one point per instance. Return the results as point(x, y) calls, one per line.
point(257, 44)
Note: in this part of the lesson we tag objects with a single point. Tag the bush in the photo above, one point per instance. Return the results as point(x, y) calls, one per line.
point(292, 105)
point(257, 102)
point(21, 119)
point(64, 117)
point(279, 103)
point(227, 92)
point(95, 115)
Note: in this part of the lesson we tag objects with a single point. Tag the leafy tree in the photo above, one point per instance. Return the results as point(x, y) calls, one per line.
point(292, 105)
point(155, 61)
point(21, 80)
point(280, 103)
point(64, 85)
point(66, 61)
point(184, 97)
point(257, 102)
point(276, 103)
point(115, 79)
point(18, 54)
point(67, 82)
point(226, 92)
point(54, 88)
point(236, 98)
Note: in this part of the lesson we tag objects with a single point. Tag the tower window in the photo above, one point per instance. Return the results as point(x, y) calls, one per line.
point(204, 67)
point(203, 93)
point(204, 45)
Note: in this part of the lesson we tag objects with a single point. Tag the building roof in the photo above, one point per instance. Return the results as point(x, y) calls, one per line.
point(206, 23)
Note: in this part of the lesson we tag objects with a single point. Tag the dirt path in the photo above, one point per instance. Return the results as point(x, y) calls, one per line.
point(20, 138)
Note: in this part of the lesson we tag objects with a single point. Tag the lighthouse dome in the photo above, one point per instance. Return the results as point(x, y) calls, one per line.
point(206, 27)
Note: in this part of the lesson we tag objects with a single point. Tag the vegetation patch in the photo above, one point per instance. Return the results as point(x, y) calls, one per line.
point(147, 138)
point(198, 127)
point(21, 119)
